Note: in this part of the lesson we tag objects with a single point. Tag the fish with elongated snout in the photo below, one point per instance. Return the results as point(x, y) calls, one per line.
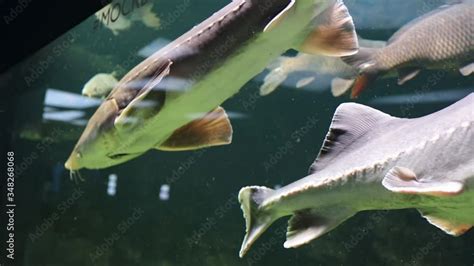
point(170, 101)
point(373, 161)
point(440, 39)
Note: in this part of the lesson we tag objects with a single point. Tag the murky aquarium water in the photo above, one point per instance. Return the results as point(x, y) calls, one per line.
point(145, 134)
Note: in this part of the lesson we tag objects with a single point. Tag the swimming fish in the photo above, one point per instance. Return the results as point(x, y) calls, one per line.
point(120, 22)
point(373, 161)
point(441, 39)
point(170, 101)
point(100, 85)
point(284, 66)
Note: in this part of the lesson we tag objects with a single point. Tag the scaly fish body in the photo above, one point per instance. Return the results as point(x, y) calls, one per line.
point(444, 39)
point(372, 161)
point(170, 100)
point(441, 39)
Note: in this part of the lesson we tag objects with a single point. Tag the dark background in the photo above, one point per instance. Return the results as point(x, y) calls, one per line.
point(38, 24)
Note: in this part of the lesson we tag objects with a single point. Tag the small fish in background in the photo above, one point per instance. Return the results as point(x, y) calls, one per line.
point(284, 66)
point(440, 39)
point(373, 161)
point(100, 85)
point(123, 22)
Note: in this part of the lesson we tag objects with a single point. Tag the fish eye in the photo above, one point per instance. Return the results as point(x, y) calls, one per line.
point(79, 155)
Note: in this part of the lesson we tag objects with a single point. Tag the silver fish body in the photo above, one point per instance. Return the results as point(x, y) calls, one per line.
point(441, 39)
point(373, 161)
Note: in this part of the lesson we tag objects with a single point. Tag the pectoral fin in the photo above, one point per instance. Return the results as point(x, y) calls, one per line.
point(213, 129)
point(139, 109)
point(307, 225)
point(304, 82)
point(280, 17)
point(404, 181)
point(449, 227)
point(406, 74)
point(467, 70)
point(340, 86)
point(334, 34)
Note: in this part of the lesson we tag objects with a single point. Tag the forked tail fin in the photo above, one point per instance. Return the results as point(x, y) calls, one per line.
point(256, 220)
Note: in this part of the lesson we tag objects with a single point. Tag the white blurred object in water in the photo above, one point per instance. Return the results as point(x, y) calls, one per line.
point(165, 192)
point(64, 99)
point(112, 185)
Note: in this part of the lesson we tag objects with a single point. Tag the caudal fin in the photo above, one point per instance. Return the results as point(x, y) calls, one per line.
point(366, 65)
point(256, 220)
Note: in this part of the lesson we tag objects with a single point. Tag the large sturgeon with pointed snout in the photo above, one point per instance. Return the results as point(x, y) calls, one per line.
point(373, 161)
point(171, 100)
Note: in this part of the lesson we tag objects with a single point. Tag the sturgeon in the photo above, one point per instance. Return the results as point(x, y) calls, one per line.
point(171, 100)
point(373, 161)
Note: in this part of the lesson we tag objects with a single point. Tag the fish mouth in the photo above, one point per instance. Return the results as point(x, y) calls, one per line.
point(123, 156)
point(72, 164)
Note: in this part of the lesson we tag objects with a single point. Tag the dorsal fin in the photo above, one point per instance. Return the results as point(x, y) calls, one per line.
point(350, 122)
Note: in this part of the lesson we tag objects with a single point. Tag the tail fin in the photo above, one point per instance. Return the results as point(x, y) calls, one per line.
point(257, 221)
point(365, 63)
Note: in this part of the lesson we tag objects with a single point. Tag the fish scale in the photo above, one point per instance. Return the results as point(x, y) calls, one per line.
point(441, 39)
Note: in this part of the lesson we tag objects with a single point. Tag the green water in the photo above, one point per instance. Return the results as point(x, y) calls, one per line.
point(276, 138)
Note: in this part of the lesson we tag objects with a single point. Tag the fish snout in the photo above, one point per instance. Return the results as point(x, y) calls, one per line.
point(72, 162)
